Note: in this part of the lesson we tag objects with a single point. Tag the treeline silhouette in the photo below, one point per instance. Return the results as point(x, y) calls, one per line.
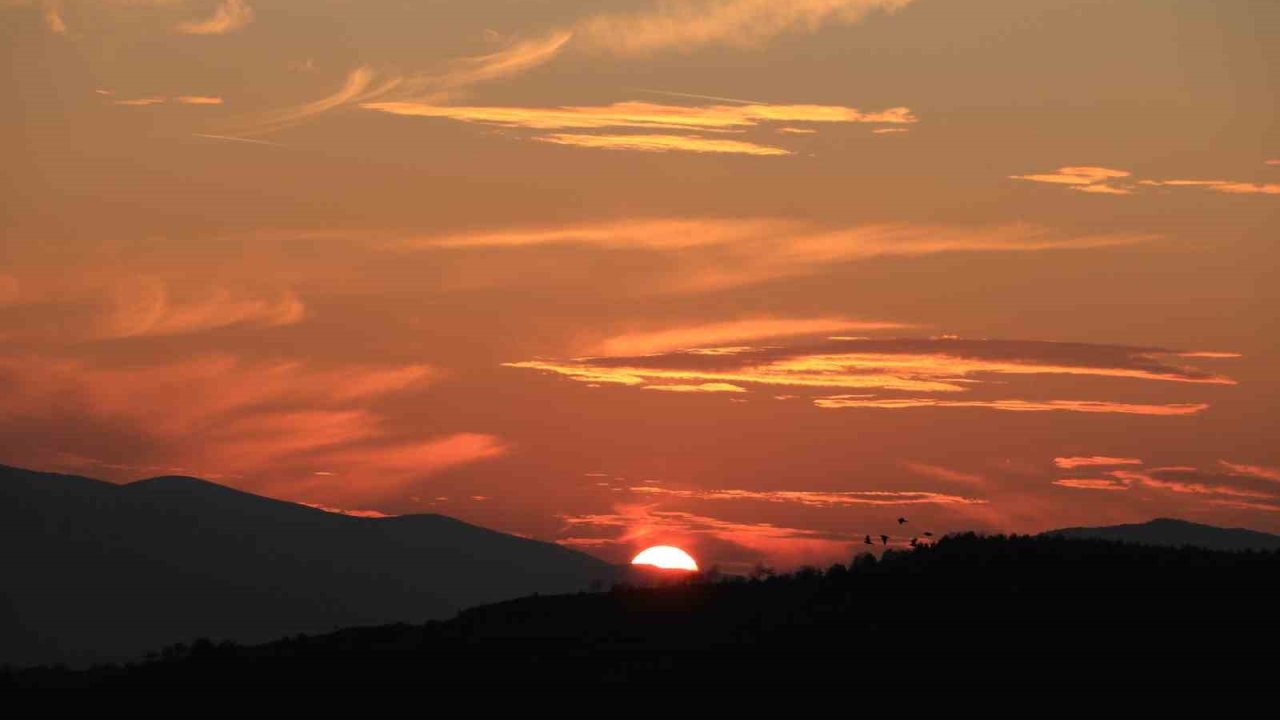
point(967, 611)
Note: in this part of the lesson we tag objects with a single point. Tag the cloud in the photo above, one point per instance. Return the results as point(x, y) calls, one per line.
point(643, 115)
point(1081, 175)
point(800, 131)
point(1102, 189)
point(662, 143)
point(344, 511)
point(1084, 406)
point(1273, 162)
point(266, 424)
point(53, 18)
point(1256, 471)
point(148, 308)
point(733, 331)
point(1100, 180)
point(198, 100)
point(140, 102)
point(937, 472)
point(695, 24)
point(1075, 461)
point(655, 233)
point(647, 116)
point(1091, 484)
point(358, 86)
point(815, 498)
point(719, 253)
point(1187, 481)
point(518, 58)
point(702, 388)
point(946, 366)
point(230, 15)
point(1222, 186)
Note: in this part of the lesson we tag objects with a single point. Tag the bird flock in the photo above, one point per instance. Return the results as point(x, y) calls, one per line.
point(914, 542)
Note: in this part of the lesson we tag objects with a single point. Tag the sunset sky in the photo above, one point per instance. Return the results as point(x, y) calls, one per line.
point(749, 277)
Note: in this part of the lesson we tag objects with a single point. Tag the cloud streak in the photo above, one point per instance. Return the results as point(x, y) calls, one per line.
point(688, 26)
point(944, 367)
point(734, 331)
point(230, 15)
point(1076, 461)
point(663, 144)
point(1108, 181)
point(1013, 405)
point(720, 253)
point(815, 498)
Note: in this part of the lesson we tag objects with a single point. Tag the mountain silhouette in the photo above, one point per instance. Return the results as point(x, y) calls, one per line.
point(104, 572)
point(1170, 532)
point(1059, 625)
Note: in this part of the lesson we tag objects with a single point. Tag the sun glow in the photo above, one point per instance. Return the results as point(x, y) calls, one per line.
point(666, 557)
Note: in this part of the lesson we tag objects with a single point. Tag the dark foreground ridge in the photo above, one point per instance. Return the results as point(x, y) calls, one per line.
point(968, 614)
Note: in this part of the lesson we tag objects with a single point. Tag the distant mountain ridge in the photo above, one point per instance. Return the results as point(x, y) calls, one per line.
point(1171, 532)
point(102, 572)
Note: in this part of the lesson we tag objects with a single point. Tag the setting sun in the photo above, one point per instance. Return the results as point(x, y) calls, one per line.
point(666, 557)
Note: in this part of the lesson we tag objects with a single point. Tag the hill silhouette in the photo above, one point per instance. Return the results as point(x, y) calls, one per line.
point(1047, 620)
point(102, 572)
point(1170, 532)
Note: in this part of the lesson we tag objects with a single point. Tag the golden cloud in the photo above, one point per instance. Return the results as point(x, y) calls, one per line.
point(662, 143)
point(734, 331)
point(1075, 461)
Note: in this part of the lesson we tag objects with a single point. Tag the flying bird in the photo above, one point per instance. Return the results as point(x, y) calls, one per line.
point(913, 542)
point(884, 539)
point(928, 534)
point(902, 521)
point(868, 540)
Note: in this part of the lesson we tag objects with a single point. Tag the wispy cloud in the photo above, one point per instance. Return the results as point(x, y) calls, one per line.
point(228, 16)
point(268, 423)
point(1230, 187)
point(648, 116)
point(688, 26)
point(1188, 481)
point(937, 472)
point(662, 143)
point(1075, 461)
point(733, 331)
point(140, 102)
point(1081, 175)
point(198, 100)
point(360, 84)
point(148, 308)
point(230, 138)
point(813, 497)
point(719, 253)
point(1091, 484)
point(1083, 406)
point(643, 115)
point(701, 388)
point(1257, 471)
point(1103, 181)
point(946, 366)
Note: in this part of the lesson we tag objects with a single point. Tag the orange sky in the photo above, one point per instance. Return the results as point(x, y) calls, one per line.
point(749, 277)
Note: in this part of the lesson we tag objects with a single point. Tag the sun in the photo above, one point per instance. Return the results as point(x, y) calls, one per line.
point(666, 557)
